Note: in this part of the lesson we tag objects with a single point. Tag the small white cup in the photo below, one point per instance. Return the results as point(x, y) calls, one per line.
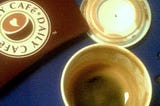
point(105, 75)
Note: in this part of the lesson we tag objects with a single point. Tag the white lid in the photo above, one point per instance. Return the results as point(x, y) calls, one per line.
point(121, 22)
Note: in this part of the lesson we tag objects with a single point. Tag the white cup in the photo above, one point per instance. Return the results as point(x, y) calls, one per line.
point(105, 75)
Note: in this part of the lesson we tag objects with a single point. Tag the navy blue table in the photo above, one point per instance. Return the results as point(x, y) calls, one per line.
point(40, 84)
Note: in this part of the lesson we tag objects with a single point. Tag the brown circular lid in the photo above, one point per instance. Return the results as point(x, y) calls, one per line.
point(121, 22)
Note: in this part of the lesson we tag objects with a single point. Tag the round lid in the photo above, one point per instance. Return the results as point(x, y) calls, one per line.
point(121, 22)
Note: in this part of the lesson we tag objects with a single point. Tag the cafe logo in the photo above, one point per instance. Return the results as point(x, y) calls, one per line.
point(24, 28)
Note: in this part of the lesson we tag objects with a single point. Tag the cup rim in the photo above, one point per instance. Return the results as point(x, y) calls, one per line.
point(112, 46)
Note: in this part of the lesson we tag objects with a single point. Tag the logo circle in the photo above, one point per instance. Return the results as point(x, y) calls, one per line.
point(24, 28)
point(17, 26)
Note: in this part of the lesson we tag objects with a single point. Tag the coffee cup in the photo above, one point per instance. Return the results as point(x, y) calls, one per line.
point(105, 75)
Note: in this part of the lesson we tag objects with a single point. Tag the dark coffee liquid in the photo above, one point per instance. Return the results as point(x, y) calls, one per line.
point(96, 86)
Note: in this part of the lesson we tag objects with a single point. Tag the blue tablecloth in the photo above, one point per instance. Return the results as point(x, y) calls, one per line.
point(40, 85)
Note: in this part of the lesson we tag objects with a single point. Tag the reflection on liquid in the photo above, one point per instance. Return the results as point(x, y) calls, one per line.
point(126, 97)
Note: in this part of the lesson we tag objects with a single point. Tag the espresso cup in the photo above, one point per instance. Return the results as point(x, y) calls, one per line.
point(105, 75)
